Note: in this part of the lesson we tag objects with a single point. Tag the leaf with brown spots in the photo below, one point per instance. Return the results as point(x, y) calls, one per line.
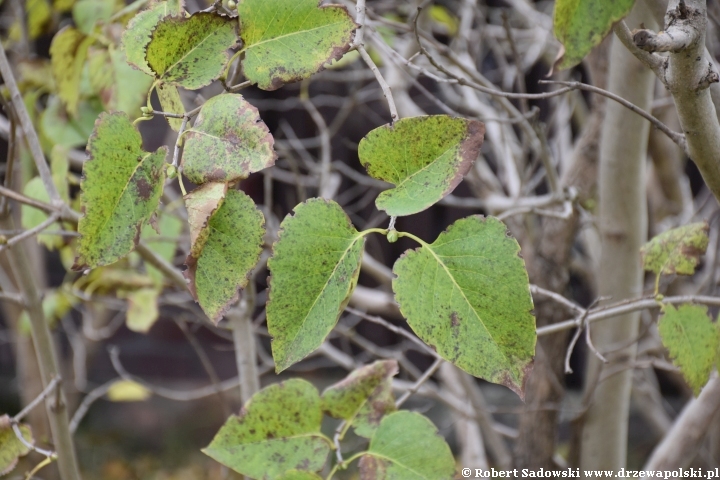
point(191, 52)
point(468, 296)
point(228, 142)
point(425, 157)
point(287, 41)
point(277, 430)
point(120, 190)
point(677, 250)
point(226, 231)
point(11, 448)
point(364, 397)
point(407, 445)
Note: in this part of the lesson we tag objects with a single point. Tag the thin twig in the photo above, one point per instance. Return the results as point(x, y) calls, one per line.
point(43, 395)
point(31, 232)
point(416, 386)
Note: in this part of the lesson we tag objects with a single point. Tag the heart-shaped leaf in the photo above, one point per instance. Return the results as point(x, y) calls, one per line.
point(228, 142)
point(364, 397)
point(468, 296)
point(288, 41)
point(277, 430)
point(407, 446)
point(425, 157)
point(11, 448)
point(191, 52)
point(692, 340)
point(138, 33)
point(68, 52)
point(226, 245)
point(677, 250)
point(314, 267)
point(121, 189)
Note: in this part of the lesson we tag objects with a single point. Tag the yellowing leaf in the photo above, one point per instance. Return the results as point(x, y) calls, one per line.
point(677, 250)
point(119, 86)
point(68, 52)
point(138, 33)
point(128, 391)
point(142, 309)
point(88, 13)
point(692, 340)
point(32, 217)
point(288, 41)
point(170, 102)
point(11, 448)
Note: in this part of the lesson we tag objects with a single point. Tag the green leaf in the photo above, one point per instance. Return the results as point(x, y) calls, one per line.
point(58, 129)
point(228, 142)
point(87, 13)
point(138, 33)
point(59, 169)
point(225, 245)
point(11, 448)
point(171, 102)
point(32, 217)
point(580, 25)
point(278, 430)
point(119, 86)
point(314, 268)
point(467, 295)
point(68, 52)
point(425, 157)
point(288, 41)
point(364, 397)
point(163, 243)
point(121, 188)
point(677, 250)
point(128, 391)
point(191, 52)
point(142, 309)
point(407, 446)
point(299, 475)
point(692, 340)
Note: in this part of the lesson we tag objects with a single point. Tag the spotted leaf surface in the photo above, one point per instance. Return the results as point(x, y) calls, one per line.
point(580, 25)
point(407, 446)
point(424, 157)
point(692, 340)
point(364, 397)
point(191, 52)
point(677, 250)
point(228, 142)
point(314, 268)
point(288, 41)
point(225, 247)
point(468, 296)
point(277, 430)
point(121, 188)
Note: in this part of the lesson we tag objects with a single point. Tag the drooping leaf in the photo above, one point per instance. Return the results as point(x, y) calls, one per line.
point(171, 102)
point(288, 41)
point(121, 188)
point(87, 13)
point(407, 446)
point(314, 268)
point(364, 397)
point(580, 25)
point(68, 52)
point(136, 36)
point(299, 475)
point(59, 168)
point(142, 309)
point(11, 448)
point(677, 250)
point(119, 86)
point(692, 340)
point(225, 247)
point(467, 295)
point(32, 217)
point(128, 391)
point(58, 129)
point(277, 430)
point(229, 141)
point(191, 52)
point(425, 157)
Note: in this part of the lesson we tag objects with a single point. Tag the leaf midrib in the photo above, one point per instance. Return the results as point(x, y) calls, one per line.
point(417, 172)
point(273, 39)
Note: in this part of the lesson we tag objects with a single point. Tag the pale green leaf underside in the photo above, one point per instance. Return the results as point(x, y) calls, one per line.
point(171, 102)
point(468, 296)
point(32, 217)
point(364, 397)
point(407, 446)
point(224, 252)
point(580, 25)
point(278, 430)
point(314, 270)
point(191, 52)
point(121, 188)
point(677, 250)
point(228, 142)
point(692, 340)
point(137, 35)
point(425, 157)
point(288, 41)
